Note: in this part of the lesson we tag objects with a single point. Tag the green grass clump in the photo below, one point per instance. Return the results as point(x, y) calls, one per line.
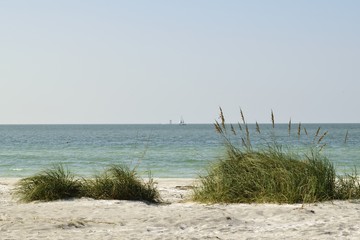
point(52, 184)
point(122, 183)
point(269, 174)
point(117, 182)
point(348, 186)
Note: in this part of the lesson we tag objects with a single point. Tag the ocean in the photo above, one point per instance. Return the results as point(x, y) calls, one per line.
point(169, 151)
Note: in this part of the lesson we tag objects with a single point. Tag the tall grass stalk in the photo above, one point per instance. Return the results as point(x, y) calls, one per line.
point(289, 127)
point(346, 136)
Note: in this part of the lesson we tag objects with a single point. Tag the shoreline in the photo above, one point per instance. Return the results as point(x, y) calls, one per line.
point(178, 219)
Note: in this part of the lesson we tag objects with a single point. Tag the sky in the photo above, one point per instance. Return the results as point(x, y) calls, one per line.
point(102, 61)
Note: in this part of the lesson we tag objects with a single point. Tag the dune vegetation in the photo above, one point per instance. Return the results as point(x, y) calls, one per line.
point(268, 173)
point(122, 183)
point(117, 182)
point(51, 184)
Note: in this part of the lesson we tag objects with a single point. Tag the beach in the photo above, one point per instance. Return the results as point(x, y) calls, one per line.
point(177, 218)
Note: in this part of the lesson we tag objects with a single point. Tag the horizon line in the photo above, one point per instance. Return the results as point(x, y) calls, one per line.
point(175, 124)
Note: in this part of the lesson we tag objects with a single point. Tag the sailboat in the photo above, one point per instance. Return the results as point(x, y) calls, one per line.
point(182, 122)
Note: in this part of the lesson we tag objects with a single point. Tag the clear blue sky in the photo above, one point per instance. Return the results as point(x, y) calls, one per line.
point(152, 61)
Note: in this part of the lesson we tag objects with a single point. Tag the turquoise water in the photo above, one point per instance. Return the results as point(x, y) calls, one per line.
point(166, 150)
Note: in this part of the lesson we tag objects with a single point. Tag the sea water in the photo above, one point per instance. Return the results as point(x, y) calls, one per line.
point(169, 150)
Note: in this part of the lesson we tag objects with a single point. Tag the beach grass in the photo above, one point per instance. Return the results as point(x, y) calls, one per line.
point(258, 174)
point(122, 183)
point(348, 186)
point(51, 184)
point(267, 176)
point(116, 182)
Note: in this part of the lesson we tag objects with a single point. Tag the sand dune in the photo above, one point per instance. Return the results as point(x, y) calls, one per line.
point(179, 219)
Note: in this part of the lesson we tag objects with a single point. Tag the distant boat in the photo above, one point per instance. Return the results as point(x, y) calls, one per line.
point(182, 122)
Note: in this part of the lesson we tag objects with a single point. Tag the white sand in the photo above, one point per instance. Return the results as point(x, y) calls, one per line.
point(99, 219)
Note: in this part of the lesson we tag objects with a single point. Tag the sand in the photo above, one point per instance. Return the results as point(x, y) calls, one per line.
point(179, 219)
